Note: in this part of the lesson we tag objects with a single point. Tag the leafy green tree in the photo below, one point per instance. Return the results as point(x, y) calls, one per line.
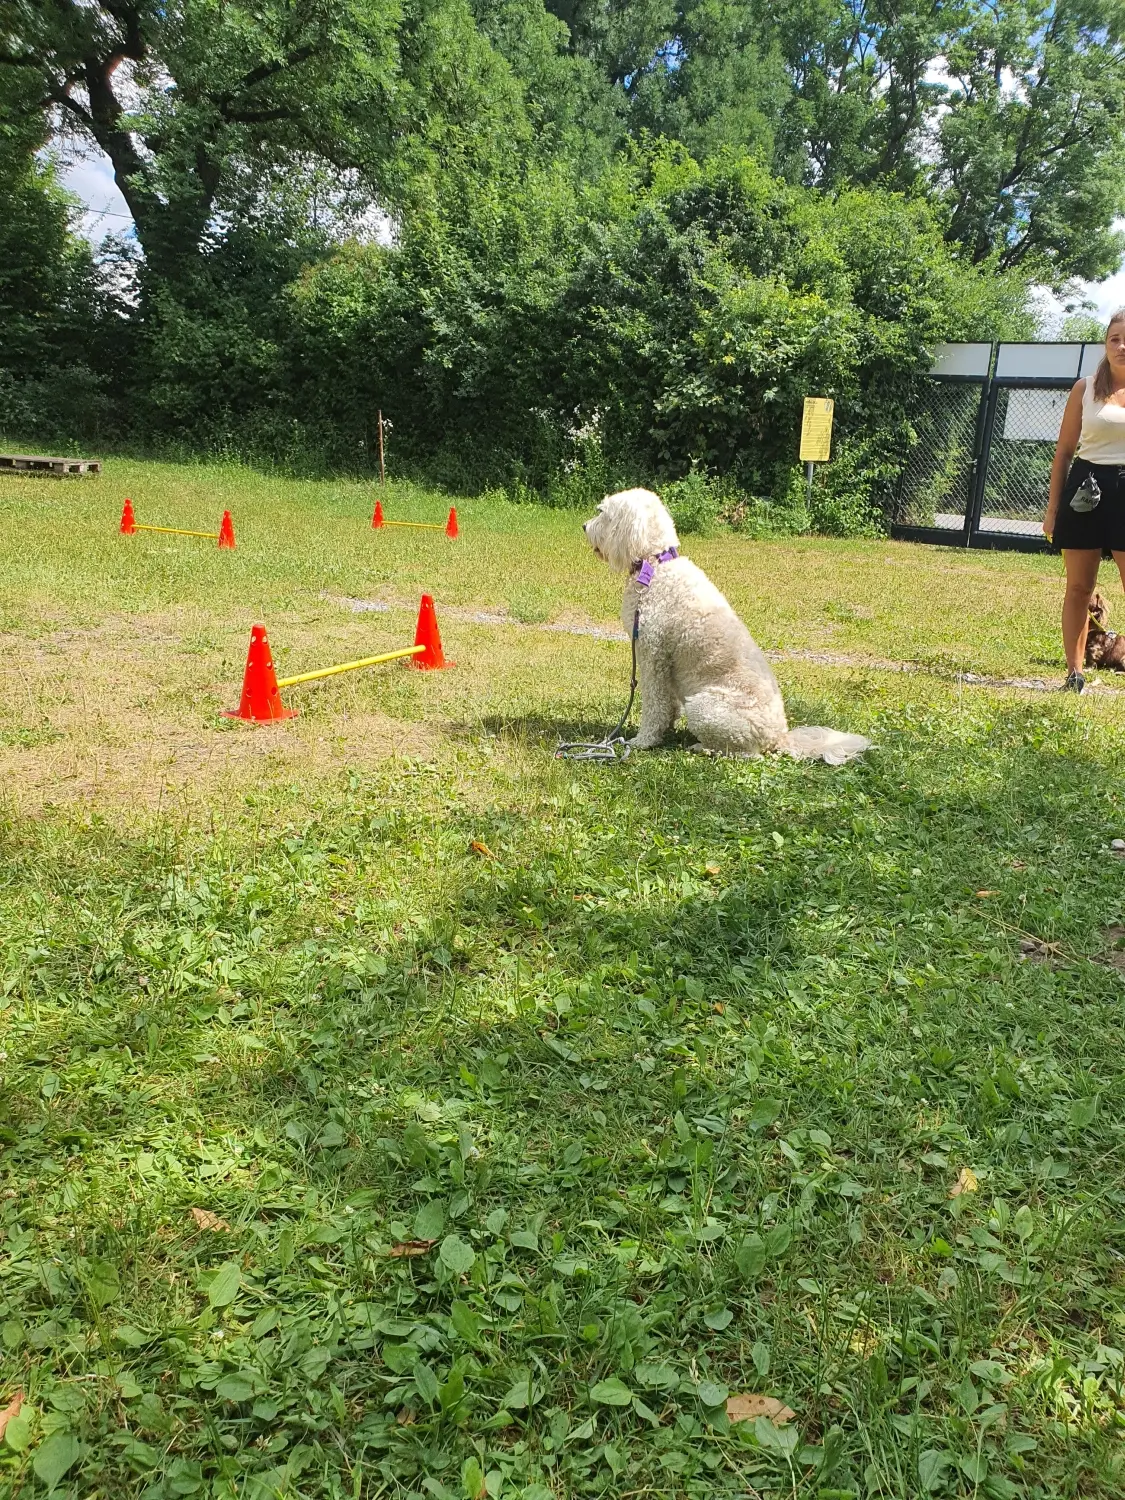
point(711, 84)
point(570, 105)
point(669, 318)
point(55, 320)
point(688, 70)
point(41, 266)
point(1082, 328)
point(1010, 119)
point(1031, 164)
point(247, 136)
point(864, 86)
point(622, 37)
point(186, 97)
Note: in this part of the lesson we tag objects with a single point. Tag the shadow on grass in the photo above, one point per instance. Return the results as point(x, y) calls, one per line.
point(541, 731)
point(547, 732)
point(666, 1011)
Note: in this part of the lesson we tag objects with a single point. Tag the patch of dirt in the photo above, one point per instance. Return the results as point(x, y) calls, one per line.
point(1111, 955)
point(117, 713)
point(1114, 954)
point(567, 624)
point(161, 764)
point(1035, 950)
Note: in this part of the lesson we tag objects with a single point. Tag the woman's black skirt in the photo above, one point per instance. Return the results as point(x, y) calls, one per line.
point(1092, 509)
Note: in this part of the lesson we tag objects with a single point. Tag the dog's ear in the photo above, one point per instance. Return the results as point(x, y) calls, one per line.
point(633, 524)
point(650, 528)
point(635, 530)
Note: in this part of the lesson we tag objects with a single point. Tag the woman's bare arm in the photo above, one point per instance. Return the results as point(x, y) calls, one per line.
point(1065, 449)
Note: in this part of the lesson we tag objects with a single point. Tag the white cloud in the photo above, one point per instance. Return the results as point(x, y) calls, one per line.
point(1108, 295)
point(87, 172)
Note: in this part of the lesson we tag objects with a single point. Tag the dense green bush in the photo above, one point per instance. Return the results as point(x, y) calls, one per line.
point(552, 336)
point(666, 323)
point(696, 501)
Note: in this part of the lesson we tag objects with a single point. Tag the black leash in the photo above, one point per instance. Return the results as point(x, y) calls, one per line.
point(613, 747)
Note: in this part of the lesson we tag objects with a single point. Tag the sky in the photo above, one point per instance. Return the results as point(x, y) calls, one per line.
point(86, 172)
point(90, 178)
point(1109, 295)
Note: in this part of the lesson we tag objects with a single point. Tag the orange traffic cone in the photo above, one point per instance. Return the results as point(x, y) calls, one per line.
point(260, 700)
point(226, 531)
point(451, 524)
point(377, 522)
point(128, 519)
point(428, 635)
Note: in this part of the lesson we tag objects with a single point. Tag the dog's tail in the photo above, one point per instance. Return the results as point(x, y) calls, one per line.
point(811, 742)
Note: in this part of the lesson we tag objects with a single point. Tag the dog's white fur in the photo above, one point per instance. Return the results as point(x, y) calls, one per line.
point(694, 655)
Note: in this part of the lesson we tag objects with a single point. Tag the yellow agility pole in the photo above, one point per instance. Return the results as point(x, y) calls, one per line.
point(350, 666)
point(450, 528)
point(211, 536)
point(261, 700)
point(224, 536)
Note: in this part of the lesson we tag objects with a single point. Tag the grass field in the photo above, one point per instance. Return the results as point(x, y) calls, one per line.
point(389, 1109)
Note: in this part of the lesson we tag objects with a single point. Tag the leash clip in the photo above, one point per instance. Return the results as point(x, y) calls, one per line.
point(607, 750)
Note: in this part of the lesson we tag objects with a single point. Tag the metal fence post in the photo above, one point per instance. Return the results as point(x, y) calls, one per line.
point(989, 394)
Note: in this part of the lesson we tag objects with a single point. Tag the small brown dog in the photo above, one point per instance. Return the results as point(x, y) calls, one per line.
point(1104, 648)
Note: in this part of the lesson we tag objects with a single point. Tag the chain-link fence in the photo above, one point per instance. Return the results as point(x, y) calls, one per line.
point(986, 429)
point(1024, 430)
point(936, 486)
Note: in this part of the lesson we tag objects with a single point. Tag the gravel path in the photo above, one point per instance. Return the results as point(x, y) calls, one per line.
point(819, 658)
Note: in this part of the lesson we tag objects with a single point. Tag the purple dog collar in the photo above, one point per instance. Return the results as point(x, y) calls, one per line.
point(644, 572)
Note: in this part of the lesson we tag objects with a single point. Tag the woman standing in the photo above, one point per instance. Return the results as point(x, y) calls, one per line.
point(1086, 509)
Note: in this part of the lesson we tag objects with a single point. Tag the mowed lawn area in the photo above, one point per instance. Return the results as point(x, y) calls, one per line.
point(390, 1109)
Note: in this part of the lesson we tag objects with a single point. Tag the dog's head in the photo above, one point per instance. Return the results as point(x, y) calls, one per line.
point(1099, 614)
point(630, 525)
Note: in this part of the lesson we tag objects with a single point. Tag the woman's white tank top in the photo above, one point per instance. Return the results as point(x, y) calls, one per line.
point(1103, 429)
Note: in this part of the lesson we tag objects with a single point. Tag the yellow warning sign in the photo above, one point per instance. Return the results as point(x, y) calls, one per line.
point(816, 430)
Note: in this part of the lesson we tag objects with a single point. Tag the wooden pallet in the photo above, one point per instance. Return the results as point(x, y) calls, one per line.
point(30, 463)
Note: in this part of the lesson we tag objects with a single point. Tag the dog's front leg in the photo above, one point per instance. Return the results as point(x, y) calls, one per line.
point(658, 701)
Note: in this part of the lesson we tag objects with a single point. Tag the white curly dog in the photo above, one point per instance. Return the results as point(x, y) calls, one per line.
point(695, 657)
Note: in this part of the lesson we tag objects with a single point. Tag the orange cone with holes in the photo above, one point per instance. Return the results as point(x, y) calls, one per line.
point(429, 636)
point(451, 524)
point(377, 522)
point(260, 700)
point(128, 519)
point(226, 532)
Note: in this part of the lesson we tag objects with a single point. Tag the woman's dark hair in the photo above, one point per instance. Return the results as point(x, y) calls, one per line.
point(1103, 375)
